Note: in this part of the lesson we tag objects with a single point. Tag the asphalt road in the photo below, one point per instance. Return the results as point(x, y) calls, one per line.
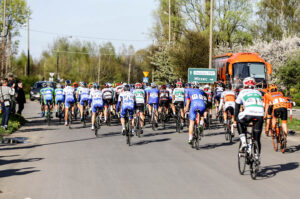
point(59, 163)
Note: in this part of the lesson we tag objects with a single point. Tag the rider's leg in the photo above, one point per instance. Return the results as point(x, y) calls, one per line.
point(142, 119)
point(225, 115)
point(182, 116)
point(257, 128)
point(105, 112)
point(93, 118)
point(191, 128)
point(173, 109)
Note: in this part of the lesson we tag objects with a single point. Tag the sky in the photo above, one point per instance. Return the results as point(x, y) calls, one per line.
point(119, 21)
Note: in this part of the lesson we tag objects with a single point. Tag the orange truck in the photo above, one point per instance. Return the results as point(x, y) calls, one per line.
point(234, 67)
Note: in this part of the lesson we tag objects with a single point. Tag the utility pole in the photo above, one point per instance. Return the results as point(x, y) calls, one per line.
point(169, 21)
point(3, 38)
point(129, 69)
point(57, 65)
point(28, 48)
point(211, 33)
point(99, 67)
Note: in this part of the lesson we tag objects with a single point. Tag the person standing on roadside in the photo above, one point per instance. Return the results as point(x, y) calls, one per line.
point(21, 100)
point(6, 94)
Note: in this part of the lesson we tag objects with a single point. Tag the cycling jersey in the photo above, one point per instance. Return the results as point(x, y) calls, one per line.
point(139, 96)
point(48, 94)
point(153, 96)
point(107, 94)
point(77, 90)
point(42, 95)
point(95, 98)
point(84, 94)
point(276, 99)
point(252, 101)
point(218, 92)
point(59, 95)
point(228, 97)
point(178, 95)
point(171, 92)
point(127, 100)
point(209, 96)
point(147, 89)
point(69, 93)
point(196, 97)
point(164, 95)
point(186, 92)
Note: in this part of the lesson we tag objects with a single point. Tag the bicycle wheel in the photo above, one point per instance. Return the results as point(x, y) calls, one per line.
point(282, 140)
point(208, 121)
point(153, 118)
point(178, 122)
point(163, 118)
point(138, 126)
point(242, 160)
point(109, 117)
point(229, 131)
point(97, 125)
point(274, 140)
point(84, 116)
point(128, 129)
point(254, 164)
point(226, 131)
point(197, 138)
point(70, 117)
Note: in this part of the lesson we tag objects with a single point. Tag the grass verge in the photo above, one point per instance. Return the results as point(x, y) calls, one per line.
point(295, 125)
point(15, 122)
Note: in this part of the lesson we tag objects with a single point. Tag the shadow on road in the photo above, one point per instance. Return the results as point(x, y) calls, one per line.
point(213, 134)
point(35, 129)
point(155, 134)
point(151, 141)
point(271, 171)
point(14, 172)
point(216, 145)
point(3, 162)
point(112, 134)
point(293, 149)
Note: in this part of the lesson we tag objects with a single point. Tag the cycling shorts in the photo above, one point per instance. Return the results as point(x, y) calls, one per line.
point(195, 106)
point(155, 105)
point(281, 113)
point(107, 102)
point(256, 120)
point(208, 105)
point(69, 101)
point(59, 99)
point(140, 107)
point(95, 106)
point(46, 101)
point(179, 104)
point(270, 110)
point(124, 109)
point(230, 109)
point(217, 98)
point(164, 103)
point(83, 100)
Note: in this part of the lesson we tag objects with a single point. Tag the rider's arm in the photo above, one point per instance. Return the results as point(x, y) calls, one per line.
point(236, 111)
point(119, 103)
point(221, 104)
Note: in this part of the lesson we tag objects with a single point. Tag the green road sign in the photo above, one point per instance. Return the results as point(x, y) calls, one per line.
point(202, 75)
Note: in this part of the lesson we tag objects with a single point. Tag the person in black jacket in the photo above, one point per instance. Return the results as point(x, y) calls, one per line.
point(21, 100)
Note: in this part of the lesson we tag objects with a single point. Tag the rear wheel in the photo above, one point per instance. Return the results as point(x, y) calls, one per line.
point(70, 118)
point(254, 165)
point(274, 140)
point(283, 140)
point(97, 125)
point(178, 127)
point(197, 138)
point(128, 130)
point(242, 160)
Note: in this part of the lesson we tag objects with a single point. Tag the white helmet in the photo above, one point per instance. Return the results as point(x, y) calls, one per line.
point(249, 82)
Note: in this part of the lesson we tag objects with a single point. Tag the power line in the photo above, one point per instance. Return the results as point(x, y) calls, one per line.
point(86, 53)
point(88, 37)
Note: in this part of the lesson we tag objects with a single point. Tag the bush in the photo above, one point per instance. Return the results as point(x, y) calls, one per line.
point(28, 82)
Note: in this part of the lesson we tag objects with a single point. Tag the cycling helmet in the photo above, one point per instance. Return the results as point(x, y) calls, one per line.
point(249, 82)
point(75, 85)
point(163, 86)
point(68, 82)
point(206, 87)
point(49, 84)
point(273, 88)
point(187, 85)
point(228, 86)
point(106, 85)
point(95, 85)
point(81, 84)
point(147, 84)
point(85, 85)
point(44, 84)
point(220, 84)
point(126, 87)
point(109, 85)
point(138, 85)
point(58, 85)
point(153, 84)
point(178, 83)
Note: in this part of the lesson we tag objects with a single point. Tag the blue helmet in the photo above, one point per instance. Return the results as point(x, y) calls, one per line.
point(68, 82)
point(95, 85)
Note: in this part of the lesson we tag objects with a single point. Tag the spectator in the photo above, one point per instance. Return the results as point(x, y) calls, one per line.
point(21, 100)
point(6, 94)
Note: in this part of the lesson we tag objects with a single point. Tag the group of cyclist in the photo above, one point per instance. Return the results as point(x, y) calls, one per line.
point(190, 98)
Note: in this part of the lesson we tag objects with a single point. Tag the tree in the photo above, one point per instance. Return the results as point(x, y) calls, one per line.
point(279, 18)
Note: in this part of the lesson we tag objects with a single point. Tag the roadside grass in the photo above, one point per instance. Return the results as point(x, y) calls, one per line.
point(295, 125)
point(27, 96)
point(15, 122)
point(296, 107)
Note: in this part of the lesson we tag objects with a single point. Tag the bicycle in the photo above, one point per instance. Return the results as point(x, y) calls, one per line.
point(221, 118)
point(60, 111)
point(227, 128)
point(85, 113)
point(207, 121)
point(97, 121)
point(138, 123)
point(197, 132)
point(163, 117)
point(247, 157)
point(70, 118)
point(128, 128)
point(278, 137)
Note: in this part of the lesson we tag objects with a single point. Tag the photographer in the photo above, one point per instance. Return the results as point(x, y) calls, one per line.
point(6, 94)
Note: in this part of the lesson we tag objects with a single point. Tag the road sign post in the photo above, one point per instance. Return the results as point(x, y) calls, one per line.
point(145, 79)
point(202, 75)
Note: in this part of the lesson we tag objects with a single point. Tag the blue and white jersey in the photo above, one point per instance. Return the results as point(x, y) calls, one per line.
point(59, 94)
point(218, 91)
point(69, 93)
point(153, 96)
point(96, 97)
point(48, 93)
point(127, 99)
point(84, 93)
point(197, 97)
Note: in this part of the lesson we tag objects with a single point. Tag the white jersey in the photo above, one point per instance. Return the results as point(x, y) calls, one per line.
point(139, 96)
point(96, 97)
point(69, 92)
point(107, 94)
point(252, 101)
point(84, 93)
point(228, 98)
point(178, 94)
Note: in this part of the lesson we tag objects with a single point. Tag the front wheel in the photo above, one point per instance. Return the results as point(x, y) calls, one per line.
point(283, 141)
point(254, 165)
point(242, 160)
point(275, 140)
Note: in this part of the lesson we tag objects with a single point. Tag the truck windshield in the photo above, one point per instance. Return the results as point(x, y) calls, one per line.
point(249, 69)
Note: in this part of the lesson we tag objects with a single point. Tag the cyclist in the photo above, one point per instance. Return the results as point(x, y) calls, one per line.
point(152, 100)
point(195, 102)
point(48, 96)
point(178, 100)
point(217, 94)
point(126, 102)
point(96, 101)
point(276, 106)
point(209, 99)
point(140, 102)
point(44, 85)
point(164, 96)
point(107, 93)
point(228, 99)
point(253, 112)
point(59, 97)
point(69, 93)
point(83, 94)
